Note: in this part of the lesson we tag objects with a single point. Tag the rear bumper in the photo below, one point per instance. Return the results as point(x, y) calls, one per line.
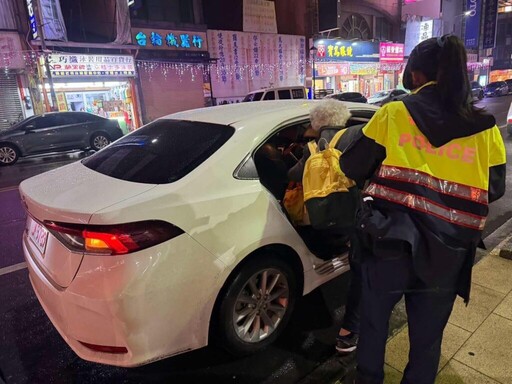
point(141, 302)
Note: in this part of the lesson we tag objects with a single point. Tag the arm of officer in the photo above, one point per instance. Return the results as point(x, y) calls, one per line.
point(367, 150)
point(497, 165)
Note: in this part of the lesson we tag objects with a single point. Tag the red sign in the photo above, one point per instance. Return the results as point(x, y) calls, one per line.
point(333, 69)
point(391, 52)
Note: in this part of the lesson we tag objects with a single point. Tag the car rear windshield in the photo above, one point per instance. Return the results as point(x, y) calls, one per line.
point(160, 152)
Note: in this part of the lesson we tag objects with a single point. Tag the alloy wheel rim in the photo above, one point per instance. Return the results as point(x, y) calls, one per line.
point(7, 155)
point(261, 305)
point(100, 142)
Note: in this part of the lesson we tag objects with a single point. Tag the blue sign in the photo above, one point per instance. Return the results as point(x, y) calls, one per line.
point(474, 7)
point(490, 23)
point(330, 50)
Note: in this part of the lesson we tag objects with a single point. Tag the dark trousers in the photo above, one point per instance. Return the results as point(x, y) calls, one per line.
point(384, 282)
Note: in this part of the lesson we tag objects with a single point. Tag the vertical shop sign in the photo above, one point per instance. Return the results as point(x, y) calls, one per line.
point(32, 19)
point(280, 57)
point(472, 32)
point(236, 59)
point(490, 23)
point(222, 57)
point(256, 54)
point(302, 59)
point(426, 29)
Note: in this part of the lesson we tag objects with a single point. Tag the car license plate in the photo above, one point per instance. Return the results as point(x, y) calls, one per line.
point(37, 234)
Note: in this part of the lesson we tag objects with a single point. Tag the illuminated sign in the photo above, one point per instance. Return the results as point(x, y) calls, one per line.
point(76, 65)
point(331, 50)
point(426, 30)
point(391, 52)
point(165, 39)
point(32, 19)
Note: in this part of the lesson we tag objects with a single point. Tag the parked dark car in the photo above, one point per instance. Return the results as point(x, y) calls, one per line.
point(477, 90)
point(496, 88)
point(56, 132)
point(384, 97)
point(354, 97)
point(509, 84)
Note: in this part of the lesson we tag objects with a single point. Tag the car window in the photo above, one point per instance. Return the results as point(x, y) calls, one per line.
point(89, 117)
point(283, 94)
point(69, 118)
point(298, 93)
point(45, 121)
point(161, 152)
point(270, 95)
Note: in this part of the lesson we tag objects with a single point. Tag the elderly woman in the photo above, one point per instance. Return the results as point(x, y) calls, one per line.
point(328, 113)
point(333, 113)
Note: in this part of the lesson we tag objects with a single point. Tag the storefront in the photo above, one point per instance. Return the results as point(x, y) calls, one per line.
point(99, 84)
point(356, 66)
point(172, 66)
point(12, 65)
point(500, 75)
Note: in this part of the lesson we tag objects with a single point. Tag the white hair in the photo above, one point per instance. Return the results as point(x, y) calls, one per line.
point(329, 113)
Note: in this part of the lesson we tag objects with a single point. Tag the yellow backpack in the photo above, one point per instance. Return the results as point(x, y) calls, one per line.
point(331, 198)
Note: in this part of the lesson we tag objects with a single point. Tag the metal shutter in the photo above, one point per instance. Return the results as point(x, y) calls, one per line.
point(10, 106)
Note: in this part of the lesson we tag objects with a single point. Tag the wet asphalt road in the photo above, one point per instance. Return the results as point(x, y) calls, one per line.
point(31, 350)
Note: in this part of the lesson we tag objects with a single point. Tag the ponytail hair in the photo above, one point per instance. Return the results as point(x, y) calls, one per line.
point(444, 59)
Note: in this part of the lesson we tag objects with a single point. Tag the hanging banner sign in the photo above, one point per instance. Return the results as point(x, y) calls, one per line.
point(330, 50)
point(391, 52)
point(169, 40)
point(66, 65)
point(472, 21)
point(426, 30)
point(490, 23)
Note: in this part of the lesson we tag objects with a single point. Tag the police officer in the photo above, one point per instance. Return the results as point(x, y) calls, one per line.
point(433, 162)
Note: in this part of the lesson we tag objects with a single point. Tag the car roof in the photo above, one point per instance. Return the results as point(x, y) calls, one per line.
point(240, 113)
point(277, 88)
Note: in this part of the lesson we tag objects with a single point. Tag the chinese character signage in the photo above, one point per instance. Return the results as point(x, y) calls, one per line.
point(342, 69)
point(10, 51)
point(259, 16)
point(53, 21)
point(490, 22)
point(166, 39)
point(67, 65)
point(473, 23)
point(391, 52)
point(340, 50)
point(426, 30)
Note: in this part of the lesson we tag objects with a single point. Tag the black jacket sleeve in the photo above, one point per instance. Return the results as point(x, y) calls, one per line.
point(362, 158)
point(497, 178)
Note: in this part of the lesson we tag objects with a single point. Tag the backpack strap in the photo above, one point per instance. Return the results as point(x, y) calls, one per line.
point(336, 138)
point(312, 147)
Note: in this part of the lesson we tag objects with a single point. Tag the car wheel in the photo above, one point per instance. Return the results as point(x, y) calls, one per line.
point(8, 154)
point(99, 140)
point(256, 306)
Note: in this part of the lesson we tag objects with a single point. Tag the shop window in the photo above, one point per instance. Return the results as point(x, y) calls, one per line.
point(383, 29)
point(356, 27)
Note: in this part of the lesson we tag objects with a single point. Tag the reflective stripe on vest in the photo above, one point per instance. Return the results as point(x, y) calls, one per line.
point(427, 206)
point(443, 186)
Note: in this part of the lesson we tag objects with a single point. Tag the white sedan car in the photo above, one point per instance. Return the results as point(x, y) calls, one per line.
point(175, 236)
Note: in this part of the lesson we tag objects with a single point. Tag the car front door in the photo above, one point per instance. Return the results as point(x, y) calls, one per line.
point(41, 134)
point(73, 131)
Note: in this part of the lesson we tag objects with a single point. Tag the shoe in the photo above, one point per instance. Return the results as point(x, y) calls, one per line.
point(347, 343)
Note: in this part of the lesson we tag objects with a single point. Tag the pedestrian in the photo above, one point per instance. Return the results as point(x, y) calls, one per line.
point(333, 113)
point(434, 162)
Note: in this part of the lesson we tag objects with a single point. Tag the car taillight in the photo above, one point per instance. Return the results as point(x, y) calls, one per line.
point(116, 239)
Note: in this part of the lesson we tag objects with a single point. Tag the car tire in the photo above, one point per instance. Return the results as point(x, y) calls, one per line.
point(99, 140)
point(261, 317)
point(9, 154)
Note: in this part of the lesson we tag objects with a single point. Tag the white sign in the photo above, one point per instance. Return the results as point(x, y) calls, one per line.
point(66, 65)
point(426, 30)
point(259, 16)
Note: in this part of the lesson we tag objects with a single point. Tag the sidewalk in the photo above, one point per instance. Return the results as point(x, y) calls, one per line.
point(477, 343)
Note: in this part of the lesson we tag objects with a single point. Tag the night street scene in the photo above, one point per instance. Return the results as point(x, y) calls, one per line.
point(256, 191)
